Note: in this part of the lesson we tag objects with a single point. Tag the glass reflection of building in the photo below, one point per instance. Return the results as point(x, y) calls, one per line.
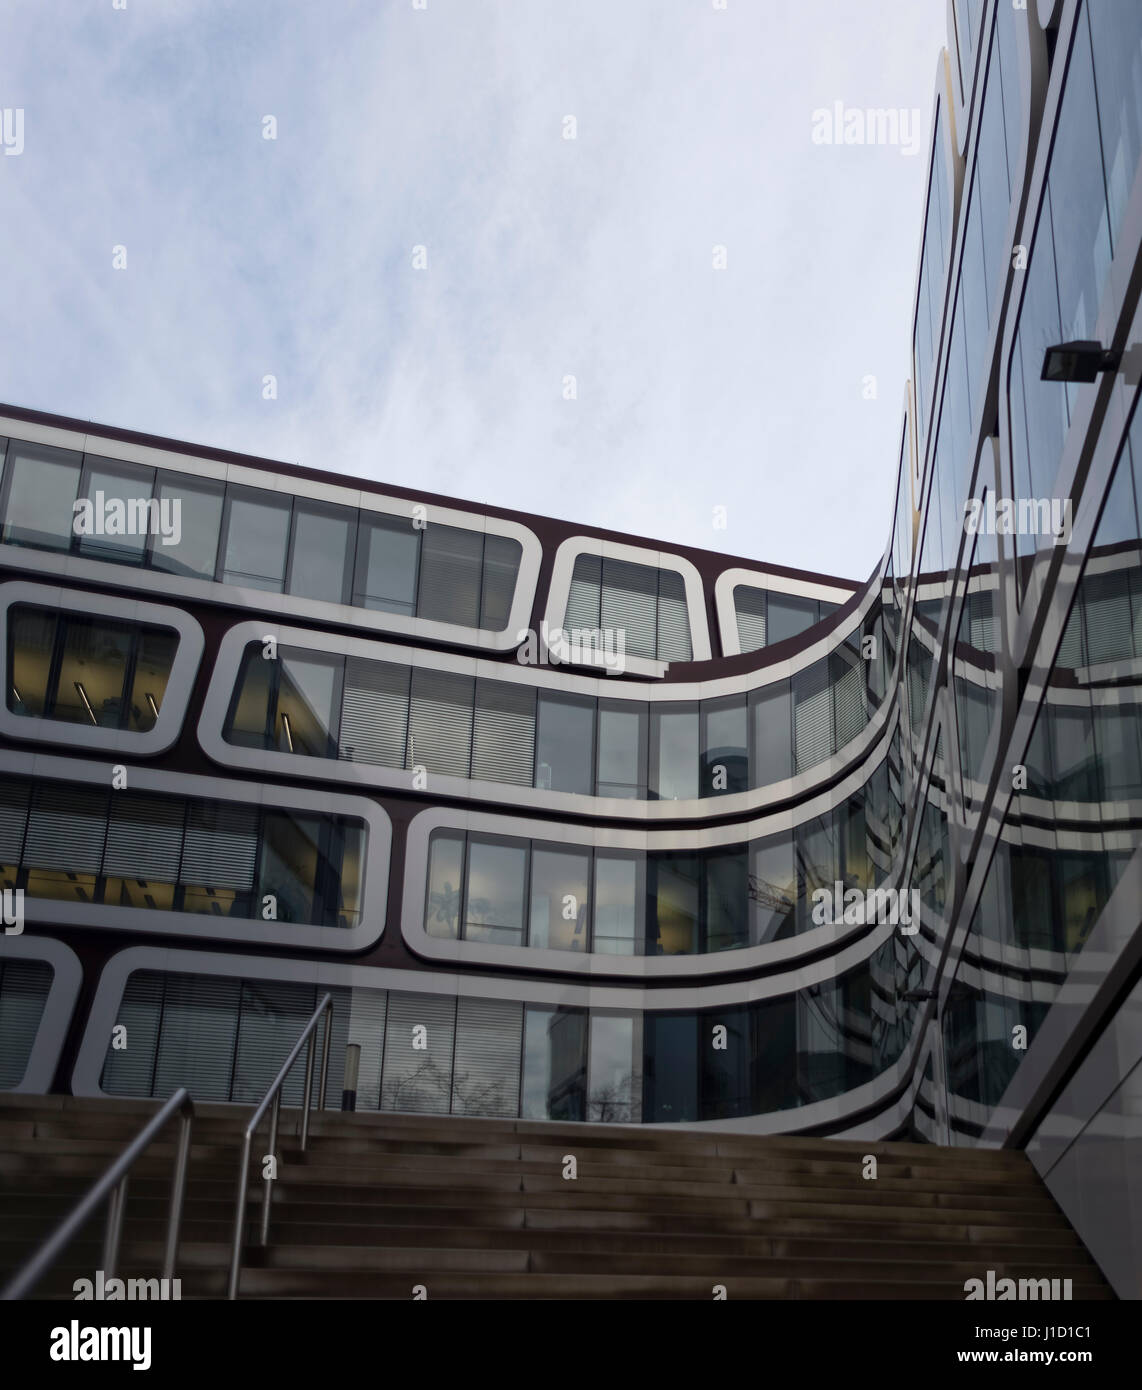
point(594, 895)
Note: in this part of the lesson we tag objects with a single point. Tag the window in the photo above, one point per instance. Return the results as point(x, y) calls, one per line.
point(502, 557)
point(182, 854)
point(554, 1064)
point(564, 754)
point(269, 540)
point(84, 670)
point(644, 603)
point(497, 874)
point(445, 885)
point(450, 570)
point(725, 749)
point(674, 882)
point(560, 899)
point(726, 899)
point(620, 898)
point(321, 555)
point(614, 1092)
point(308, 702)
point(197, 504)
point(388, 553)
point(771, 729)
point(789, 615)
point(673, 752)
point(772, 889)
point(257, 534)
point(40, 489)
point(119, 520)
point(622, 749)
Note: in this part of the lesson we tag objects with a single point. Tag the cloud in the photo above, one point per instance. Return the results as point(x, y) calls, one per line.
point(547, 257)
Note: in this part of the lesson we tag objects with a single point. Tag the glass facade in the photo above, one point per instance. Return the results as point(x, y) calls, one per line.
point(254, 538)
point(390, 715)
point(995, 804)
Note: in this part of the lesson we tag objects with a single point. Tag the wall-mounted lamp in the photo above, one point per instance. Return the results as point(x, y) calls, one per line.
point(1080, 360)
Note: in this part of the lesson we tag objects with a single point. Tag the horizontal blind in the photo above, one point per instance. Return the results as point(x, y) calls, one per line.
point(450, 568)
point(67, 828)
point(489, 1044)
point(503, 740)
point(374, 715)
point(273, 1013)
point(629, 605)
point(24, 986)
point(501, 567)
point(749, 606)
point(416, 1079)
point(585, 595)
point(812, 716)
point(367, 1008)
point(14, 799)
point(1109, 629)
point(673, 618)
point(1071, 649)
point(440, 723)
point(221, 845)
point(128, 1071)
point(196, 1038)
point(983, 626)
point(848, 694)
point(144, 837)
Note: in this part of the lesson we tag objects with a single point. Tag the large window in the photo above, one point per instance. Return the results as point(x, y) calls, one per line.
point(82, 843)
point(398, 716)
point(569, 897)
point(87, 670)
point(256, 538)
point(643, 603)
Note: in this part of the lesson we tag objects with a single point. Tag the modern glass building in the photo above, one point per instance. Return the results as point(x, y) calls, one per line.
point(576, 827)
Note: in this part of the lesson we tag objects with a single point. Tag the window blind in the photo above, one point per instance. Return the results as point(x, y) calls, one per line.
point(503, 740)
point(749, 606)
point(440, 722)
point(489, 1043)
point(418, 1080)
point(374, 715)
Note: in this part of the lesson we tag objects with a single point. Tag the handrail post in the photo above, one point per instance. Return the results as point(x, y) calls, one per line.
point(308, 1092)
point(274, 1093)
point(325, 1045)
point(178, 1194)
point(269, 1181)
point(239, 1218)
point(116, 1204)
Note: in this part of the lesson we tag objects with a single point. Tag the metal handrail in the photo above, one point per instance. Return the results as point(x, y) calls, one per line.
point(113, 1184)
point(275, 1094)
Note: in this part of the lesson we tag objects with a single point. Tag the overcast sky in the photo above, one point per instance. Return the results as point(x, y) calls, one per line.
point(441, 124)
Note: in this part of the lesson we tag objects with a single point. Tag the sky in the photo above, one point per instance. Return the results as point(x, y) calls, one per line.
point(590, 259)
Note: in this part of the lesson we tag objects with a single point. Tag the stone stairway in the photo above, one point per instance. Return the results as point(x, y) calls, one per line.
point(480, 1209)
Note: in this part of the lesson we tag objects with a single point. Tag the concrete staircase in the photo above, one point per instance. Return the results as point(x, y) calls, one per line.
point(480, 1209)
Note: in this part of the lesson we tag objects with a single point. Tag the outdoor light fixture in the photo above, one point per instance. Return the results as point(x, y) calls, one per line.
point(1080, 360)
